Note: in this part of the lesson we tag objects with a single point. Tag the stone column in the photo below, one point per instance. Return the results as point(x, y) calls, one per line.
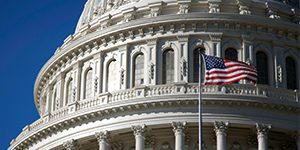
point(262, 136)
point(98, 73)
point(138, 132)
point(221, 133)
point(70, 145)
point(178, 129)
point(102, 138)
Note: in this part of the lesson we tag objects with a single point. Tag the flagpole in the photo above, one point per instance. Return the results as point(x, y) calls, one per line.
point(200, 103)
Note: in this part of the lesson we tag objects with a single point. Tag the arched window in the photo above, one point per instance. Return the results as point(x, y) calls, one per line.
point(138, 69)
point(262, 68)
point(112, 78)
point(196, 55)
point(69, 91)
point(231, 54)
point(168, 66)
point(291, 73)
point(88, 84)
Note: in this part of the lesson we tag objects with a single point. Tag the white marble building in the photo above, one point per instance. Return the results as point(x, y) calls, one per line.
point(128, 78)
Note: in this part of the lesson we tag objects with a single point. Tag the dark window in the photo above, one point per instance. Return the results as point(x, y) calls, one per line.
point(262, 68)
point(231, 54)
point(196, 55)
point(291, 73)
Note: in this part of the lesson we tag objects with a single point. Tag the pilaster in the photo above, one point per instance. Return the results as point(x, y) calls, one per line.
point(178, 129)
point(138, 132)
point(183, 57)
point(152, 69)
point(221, 133)
point(77, 69)
point(124, 71)
point(216, 39)
point(98, 71)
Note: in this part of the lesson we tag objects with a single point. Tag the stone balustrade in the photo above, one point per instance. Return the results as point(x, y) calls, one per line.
point(275, 94)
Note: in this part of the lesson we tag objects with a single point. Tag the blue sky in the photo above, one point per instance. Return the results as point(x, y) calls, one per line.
point(30, 32)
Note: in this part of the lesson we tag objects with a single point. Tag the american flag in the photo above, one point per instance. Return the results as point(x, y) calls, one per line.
point(223, 71)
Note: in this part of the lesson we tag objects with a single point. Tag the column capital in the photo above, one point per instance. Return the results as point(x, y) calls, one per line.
point(138, 129)
point(70, 145)
point(102, 136)
point(262, 129)
point(178, 126)
point(221, 127)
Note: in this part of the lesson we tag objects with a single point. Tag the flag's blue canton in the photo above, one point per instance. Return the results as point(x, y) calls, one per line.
point(214, 62)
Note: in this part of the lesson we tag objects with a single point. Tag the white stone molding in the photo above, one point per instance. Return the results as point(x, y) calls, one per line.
point(262, 135)
point(221, 133)
point(138, 131)
point(178, 129)
point(102, 138)
point(216, 44)
point(70, 145)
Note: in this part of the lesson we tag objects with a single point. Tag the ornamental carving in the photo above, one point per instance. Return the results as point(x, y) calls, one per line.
point(155, 11)
point(178, 126)
point(214, 6)
point(74, 94)
point(221, 127)
point(183, 8)
point(70, 145)
point(262, 129)
point(243, 9)
point(116, 146)
point(102, 136)
point(183, 68)
point(271, 13)
point(96, 84)
point(150, 140)
point(139, 129)
point(279, 73)
point(236, 146)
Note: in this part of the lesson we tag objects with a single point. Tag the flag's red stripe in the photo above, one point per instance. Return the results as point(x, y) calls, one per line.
point(237, 65)
point(225, 71)
point(229, 77)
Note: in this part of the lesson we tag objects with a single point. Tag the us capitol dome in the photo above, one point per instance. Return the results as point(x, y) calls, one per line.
point(128, 78)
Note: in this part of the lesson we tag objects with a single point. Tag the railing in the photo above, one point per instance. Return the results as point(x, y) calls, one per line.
point(277, 94)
